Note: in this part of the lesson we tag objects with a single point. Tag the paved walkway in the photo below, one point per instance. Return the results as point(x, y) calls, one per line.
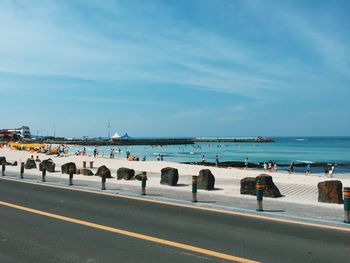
point(297, 189)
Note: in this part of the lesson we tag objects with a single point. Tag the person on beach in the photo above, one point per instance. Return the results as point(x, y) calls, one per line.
point(265, 166)
point(275, 167)
point(326, 170)
point(37, 159)
point(162, 157)
point(217, 160)
point(111, 156)
point(291, 167)
point(246, 163)
point(203, 158)
point(308, 169)
point(269, 166)
point(331, 171)
point(158, 157)
point(95, 152)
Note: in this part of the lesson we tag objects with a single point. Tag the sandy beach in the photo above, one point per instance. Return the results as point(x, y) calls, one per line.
point(296, 188)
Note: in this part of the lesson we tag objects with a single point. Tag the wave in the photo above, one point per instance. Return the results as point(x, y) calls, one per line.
point(302, 161)
point(301, 139)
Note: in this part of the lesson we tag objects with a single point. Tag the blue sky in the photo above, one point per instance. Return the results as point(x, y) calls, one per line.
point(176, 68)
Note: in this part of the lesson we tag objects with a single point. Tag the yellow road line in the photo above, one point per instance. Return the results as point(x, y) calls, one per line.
point(132, 234)
point(216, 210)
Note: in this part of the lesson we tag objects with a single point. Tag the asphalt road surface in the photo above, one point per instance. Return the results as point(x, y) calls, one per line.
point(45, 224)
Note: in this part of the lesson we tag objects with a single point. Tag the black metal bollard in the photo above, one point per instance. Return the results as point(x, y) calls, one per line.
point(43, 174)
point(143, 183)
point(70, 176)
point(259, 195)
point(103, 179)
point(84, 164)
point(194, 188)
point(92, 164)
point(3, 168)
point(22, 170)
point(346, 193)
point(103, 183)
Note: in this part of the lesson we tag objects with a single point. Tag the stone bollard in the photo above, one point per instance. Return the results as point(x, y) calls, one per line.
point(143, 183)
point(43, 174)
point(3, 168)
point(103, 176)
point(22, 170)
point(84, 164)
point(347, 204)
point(70, 175)
point(259, 195)
point(92, 164)
point(194, 188)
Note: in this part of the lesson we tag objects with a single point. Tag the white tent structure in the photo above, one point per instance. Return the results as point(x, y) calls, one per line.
point(116, 136)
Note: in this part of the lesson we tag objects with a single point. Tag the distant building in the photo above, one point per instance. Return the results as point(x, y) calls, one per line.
point(22, 133)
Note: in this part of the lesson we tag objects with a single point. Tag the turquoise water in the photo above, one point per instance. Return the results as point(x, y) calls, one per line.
point(282, 151)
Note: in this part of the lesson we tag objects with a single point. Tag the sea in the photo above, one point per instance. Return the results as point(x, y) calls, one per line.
point(318, 151)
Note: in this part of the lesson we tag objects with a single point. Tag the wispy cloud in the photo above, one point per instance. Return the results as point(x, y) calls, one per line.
point(125, 101)
point(317, 28)
point(47, 45)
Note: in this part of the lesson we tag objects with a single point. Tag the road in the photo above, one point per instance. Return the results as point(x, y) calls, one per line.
point(45, 224)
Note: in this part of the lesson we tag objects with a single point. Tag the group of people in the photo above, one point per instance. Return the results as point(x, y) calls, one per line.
point(328, 169)
point(37, 159)
point(270, 166)
point(129, 157)
point(83, 152)
point(216, 160)
point(160, 157)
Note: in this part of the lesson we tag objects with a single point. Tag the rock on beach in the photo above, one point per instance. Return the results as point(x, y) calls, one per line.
point(169, 176)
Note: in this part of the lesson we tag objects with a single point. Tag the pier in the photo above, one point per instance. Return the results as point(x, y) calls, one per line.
point(150, 141)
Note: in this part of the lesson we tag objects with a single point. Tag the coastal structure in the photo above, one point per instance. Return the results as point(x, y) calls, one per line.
point(14, 134)
point(116, 136)
point(253, 139)
point(127, 140)
point(126, 137)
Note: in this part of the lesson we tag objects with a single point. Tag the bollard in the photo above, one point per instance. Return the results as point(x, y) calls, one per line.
point(194, 188)
point(70, 176)
point(143, 183)
point(103, 183)
point(103, 179)
point(347, 204)
point(43, 174)
point(84, 164)
point(22, 170)
point(3, 168)
point(259, 195)
point(92, 164)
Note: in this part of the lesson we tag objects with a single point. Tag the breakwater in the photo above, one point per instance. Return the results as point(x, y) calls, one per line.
point(152, 141)
point(258, 139)
point(124, 142)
